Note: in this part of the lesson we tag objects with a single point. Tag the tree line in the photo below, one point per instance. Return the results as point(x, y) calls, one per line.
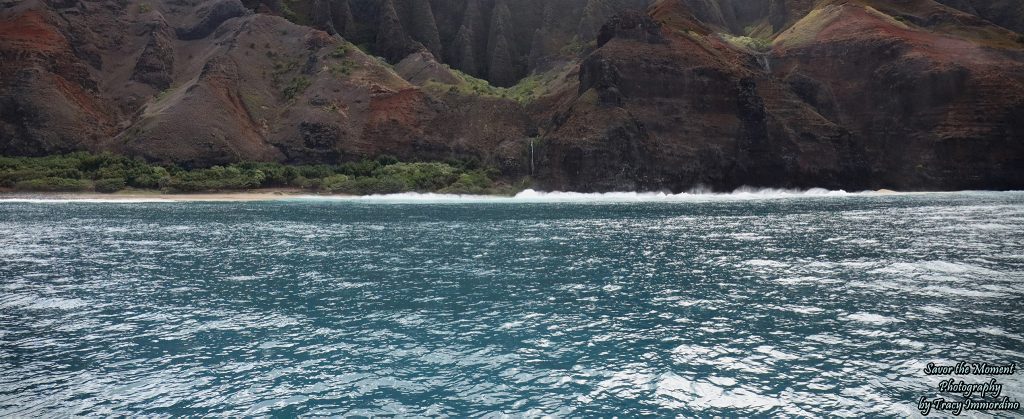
point(109, 173)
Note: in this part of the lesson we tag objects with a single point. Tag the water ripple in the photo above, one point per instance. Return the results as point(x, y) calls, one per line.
point(781, 307)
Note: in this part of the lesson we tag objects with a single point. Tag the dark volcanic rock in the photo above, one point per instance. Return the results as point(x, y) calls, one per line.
point(213, 16)
point(423, 27)
point(319, 136)
point(469, 41)
point(342, 18)
point(392, 40)
point(710, 117)
point(501, 69)
point(631, 25)
point(814, 93)
point(463, 55)
point(464, 33)
point(155, 66)
point(600, 74)
point(322, 17)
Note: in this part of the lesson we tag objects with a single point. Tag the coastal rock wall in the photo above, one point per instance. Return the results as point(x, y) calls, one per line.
point(852, 98)
point(612, 94)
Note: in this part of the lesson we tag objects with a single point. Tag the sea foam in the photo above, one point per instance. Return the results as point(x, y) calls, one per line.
point(526, 196)
point(533, 196)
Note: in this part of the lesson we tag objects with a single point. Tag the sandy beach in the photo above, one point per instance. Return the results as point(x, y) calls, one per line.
point(261, 195)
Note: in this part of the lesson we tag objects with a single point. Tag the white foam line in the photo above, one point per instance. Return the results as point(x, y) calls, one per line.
point(739, 194)
point(532, 196)
point(527, 196)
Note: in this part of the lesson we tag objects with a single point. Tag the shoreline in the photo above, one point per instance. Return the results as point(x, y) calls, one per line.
point(270, 195)
point(152, 196)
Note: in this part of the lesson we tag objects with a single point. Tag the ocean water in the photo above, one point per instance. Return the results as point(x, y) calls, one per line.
point(753, 304)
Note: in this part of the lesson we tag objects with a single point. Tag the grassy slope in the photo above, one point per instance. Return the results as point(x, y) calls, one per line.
point(906, 16)
point(525, 91)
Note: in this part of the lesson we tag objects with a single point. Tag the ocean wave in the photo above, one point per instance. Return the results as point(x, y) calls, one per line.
point(533, 196)
point(526, 196)
point(694, 194)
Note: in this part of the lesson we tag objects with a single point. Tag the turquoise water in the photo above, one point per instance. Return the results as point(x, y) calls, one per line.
point(769, 306)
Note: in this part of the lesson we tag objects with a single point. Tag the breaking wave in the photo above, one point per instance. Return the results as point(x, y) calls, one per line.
point(526, 196)
point(531, 195)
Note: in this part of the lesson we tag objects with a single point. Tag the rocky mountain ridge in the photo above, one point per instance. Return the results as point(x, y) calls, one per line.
point(582, 95)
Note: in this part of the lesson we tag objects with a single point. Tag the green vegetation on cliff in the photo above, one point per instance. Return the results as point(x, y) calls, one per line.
point(108, 173)
point(757, 45)
point(525, 91)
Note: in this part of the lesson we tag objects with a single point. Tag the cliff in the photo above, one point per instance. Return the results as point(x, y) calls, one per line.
point(612, 94)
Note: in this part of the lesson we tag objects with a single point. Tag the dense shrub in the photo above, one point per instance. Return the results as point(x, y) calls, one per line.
point(275, 175)
point(423, 177)
point(316, 172)
point(336, 184)
point(52, 184)
point(9, 177)
point(371, 186)
point(110, 185)
point(305, 183)
point(296, 87)
point(151, 179)
point(472, 183)
point(111, 173)
point(361, 168)
point(217, 178)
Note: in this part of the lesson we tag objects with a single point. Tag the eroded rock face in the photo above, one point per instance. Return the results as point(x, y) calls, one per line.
point(392, 40)
point(927, 114)
point(704, 114)
point(211, 16)
point(49, 95)
point(215, 83)
point(852, 94)
point(155, 66)
point(631, 24)
point(489, 39)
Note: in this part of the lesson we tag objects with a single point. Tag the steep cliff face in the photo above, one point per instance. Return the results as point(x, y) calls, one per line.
point(618, 94)
point(491, 39)
point(853, 95)
point(931, 102)
point(673, 106)
point(50, 99)
point(217, 83)
point(742, 17)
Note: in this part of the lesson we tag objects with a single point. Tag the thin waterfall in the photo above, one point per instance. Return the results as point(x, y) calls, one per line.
point(765, 61)
point(531, 157)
